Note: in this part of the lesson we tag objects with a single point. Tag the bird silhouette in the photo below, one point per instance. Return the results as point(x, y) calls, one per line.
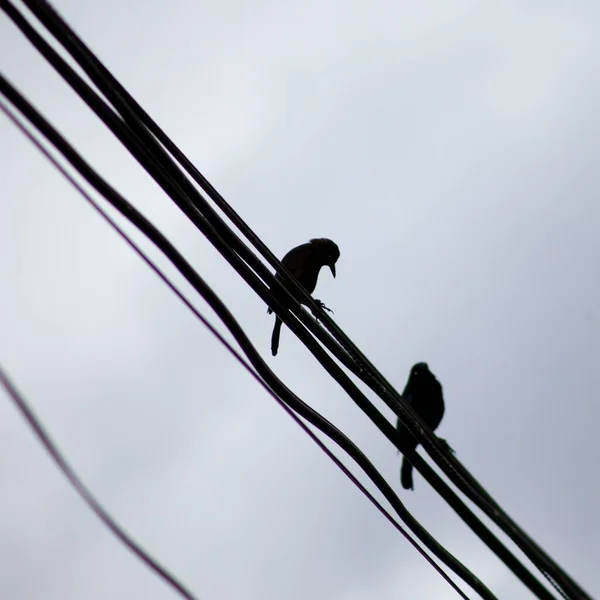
point(424, 393)
point(304, 262)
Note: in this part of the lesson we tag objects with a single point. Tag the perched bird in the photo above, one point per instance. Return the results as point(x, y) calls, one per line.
point(304, 262)
point(424, 393)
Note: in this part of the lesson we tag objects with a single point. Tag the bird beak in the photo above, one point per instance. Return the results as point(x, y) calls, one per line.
point(332, 267)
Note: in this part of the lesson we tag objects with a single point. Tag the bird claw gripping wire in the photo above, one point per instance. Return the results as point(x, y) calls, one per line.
point(446, 445)
point(322, 306)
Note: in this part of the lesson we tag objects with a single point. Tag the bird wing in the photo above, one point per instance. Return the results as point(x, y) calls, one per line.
point(296, 259)
point(299, 263)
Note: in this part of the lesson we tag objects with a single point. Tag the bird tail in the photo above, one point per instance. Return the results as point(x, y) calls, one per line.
point(406, 474)
point(275, 336)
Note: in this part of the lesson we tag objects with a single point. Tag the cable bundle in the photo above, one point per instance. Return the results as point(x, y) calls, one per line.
point(332, 348)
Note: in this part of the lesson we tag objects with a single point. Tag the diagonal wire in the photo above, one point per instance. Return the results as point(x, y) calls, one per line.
point(452, 467)
point(457, 473)
point(117, 126)
point(69, 39)
point(22, 405)
point(214, 301)
point(85, 494)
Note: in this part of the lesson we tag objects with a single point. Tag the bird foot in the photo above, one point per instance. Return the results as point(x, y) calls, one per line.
point(322, 306)
point(446, 445)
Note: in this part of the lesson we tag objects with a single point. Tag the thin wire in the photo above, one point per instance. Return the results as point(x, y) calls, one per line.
point(84, 493)
point(156, 161)
point(510, 560)
point(222, 311)
point(187, 198)
point(117, 126)
point(31, 418)
point(366, 370)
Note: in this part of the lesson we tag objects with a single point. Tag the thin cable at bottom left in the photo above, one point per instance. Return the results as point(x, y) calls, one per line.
point(85, 494)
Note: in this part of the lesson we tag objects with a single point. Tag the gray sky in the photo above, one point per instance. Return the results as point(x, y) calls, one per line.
point(449, 149)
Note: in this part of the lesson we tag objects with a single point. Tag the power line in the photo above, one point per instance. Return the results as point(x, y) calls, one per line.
point(84, 493)
point(130, 128)
point(21, 404)
point(187, 198)
point(131, 213)
point(137, 118)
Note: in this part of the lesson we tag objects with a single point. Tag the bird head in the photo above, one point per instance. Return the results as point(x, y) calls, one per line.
point(419, 369)
point(421, 375)
point(328, 252)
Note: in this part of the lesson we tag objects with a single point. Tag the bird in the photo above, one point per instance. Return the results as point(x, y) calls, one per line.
point(424, 393)
point(304, 262)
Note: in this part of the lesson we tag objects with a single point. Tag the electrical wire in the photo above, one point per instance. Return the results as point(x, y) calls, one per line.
point(456, 471)
point(34, 422)
point(465, 481)
point(148, 161)
point(193, 278)
point(84, 493)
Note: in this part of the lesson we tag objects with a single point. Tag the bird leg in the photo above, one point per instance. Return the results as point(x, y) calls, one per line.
point(446, 445)
point(322, 306)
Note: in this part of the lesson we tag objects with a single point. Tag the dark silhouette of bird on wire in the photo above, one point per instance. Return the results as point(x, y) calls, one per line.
point(304, 262)
point(424, 393)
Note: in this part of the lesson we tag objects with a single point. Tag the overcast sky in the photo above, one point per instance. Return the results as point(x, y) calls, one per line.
point(451, 150)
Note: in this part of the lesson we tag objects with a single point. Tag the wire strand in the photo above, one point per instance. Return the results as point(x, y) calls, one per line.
point(200, 285)
point(84, 493)
point(117, 126)
point(366, 370)
point(390, 432)
point(182, 198)
point(223, 341)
